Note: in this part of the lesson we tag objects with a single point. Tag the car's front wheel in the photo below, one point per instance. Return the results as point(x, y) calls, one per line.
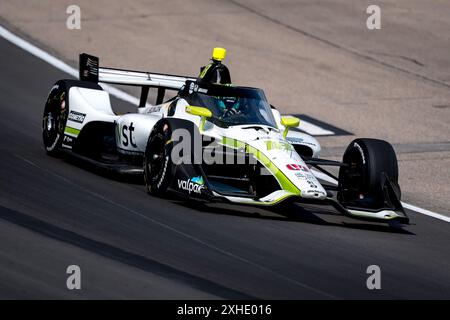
point(369, 163)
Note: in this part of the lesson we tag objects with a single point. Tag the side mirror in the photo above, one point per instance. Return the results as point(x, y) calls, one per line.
point(201, 112)
point(289, 122)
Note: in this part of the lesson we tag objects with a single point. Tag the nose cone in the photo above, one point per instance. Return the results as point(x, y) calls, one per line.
point(314, 194)
point(309, 186)
point(282, 161)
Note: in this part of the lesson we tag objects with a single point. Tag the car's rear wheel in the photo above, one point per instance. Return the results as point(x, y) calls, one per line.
point(369, 163)
point(54, 119)
point(158, 166)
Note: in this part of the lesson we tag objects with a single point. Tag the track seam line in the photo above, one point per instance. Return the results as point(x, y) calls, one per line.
point(60, 65)
point(179, 232)
point(340, 47)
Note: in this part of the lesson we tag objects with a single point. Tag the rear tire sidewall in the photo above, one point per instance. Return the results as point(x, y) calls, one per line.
point(57, 106)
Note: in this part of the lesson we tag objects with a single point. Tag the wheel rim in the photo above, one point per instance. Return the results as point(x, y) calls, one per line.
point(53, 121)
point(355, 171)
point(51, 129)
point(353, 178)
point(156, 159)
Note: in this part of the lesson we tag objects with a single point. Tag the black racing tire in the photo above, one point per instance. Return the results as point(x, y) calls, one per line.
point(368, 161)
point(54, 118)
point(56, 111)
point(158, 165)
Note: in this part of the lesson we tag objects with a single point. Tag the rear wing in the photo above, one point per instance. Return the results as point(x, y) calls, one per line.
point(91, 71)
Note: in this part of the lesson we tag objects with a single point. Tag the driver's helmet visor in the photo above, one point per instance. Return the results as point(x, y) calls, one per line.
point(227, 103)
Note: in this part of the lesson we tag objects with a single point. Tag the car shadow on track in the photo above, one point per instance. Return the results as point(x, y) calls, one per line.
point(292, 213)
point(104, 172)
point(118, 254)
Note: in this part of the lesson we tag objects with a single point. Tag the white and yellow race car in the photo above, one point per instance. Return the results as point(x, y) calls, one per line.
point(214, 141)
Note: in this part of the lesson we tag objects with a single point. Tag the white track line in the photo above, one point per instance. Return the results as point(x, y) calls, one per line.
point(25, 45)
point(313, 129)
point(426, 212)
point(429, 213)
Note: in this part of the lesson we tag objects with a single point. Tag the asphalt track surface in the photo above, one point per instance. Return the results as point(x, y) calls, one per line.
point(128, 244)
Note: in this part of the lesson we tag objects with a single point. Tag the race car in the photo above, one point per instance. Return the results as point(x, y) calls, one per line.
point(215, 141)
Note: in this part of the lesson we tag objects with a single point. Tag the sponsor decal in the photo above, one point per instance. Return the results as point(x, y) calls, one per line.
point(198, 180)
point(264, 138)
point(300, 175)
point(301, 142)
point(196, 185)
point(357, 146)
point(68, 140)
point(88, 68)
point(279, 145)
point(317, 192)
point(127, 135)
point(154, 109)
point(295, 140)
point(311, 183)
point(303, 175)
point(297, 167)
point(193, 87)
point(75, 116)
point(92, 67)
